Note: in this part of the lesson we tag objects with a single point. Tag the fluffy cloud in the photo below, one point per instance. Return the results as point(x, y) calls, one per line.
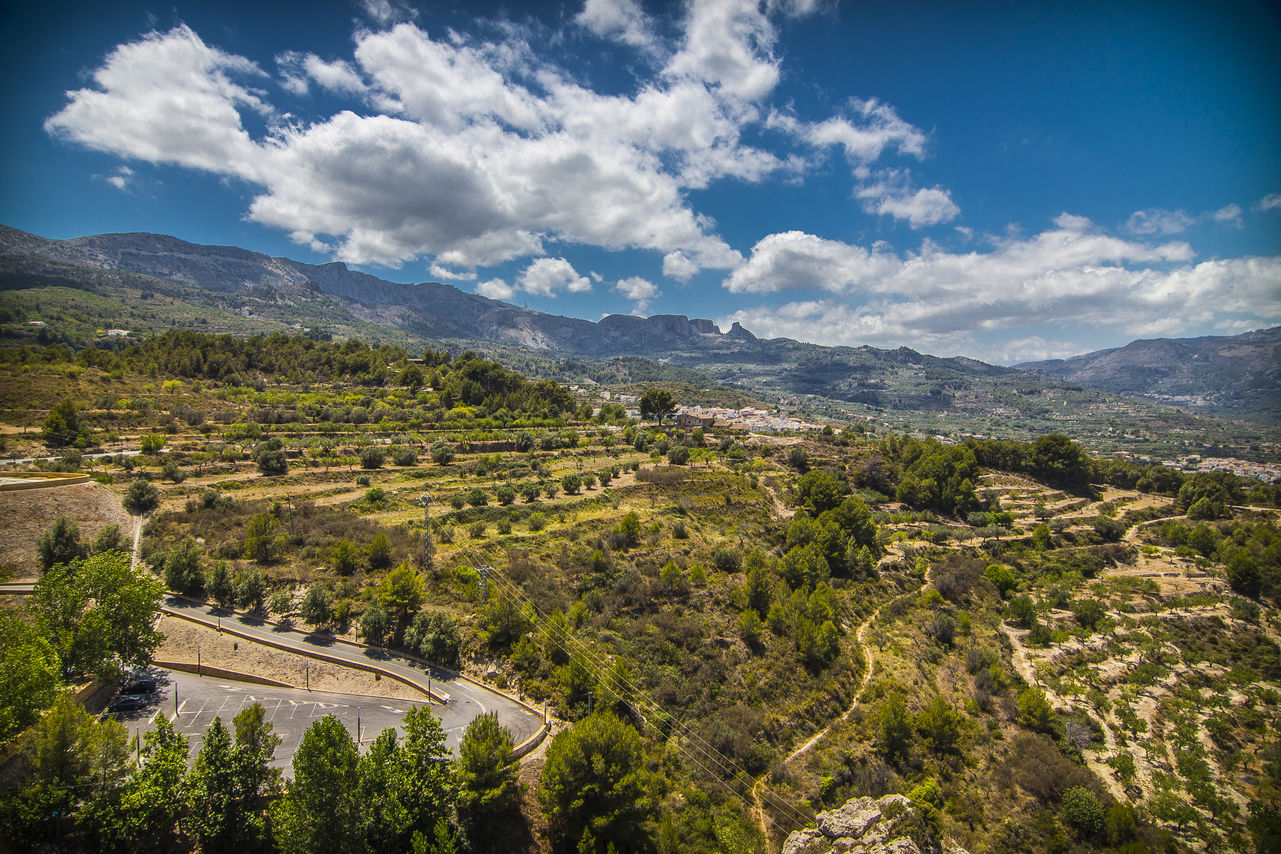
point(440, 271)
point(298, 70)
point(1270, 202)
point(640, 291)
point(677, 266)
point(729, 46)
point(946, 302)
point(545, 276)
point(496, 289)
point(460, 151)
point(921, 208)
point(864, 134)
point(623, 20)
point(168, 98)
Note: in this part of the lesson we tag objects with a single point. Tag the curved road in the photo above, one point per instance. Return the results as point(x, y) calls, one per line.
point(462, 697)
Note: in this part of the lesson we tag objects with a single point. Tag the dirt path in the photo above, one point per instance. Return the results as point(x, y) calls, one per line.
point(869, 667)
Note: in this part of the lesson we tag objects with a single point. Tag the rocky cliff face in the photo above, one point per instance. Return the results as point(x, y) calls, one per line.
point(868, 826)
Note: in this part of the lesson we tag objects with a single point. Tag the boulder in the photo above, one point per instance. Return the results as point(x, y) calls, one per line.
point(868, 826)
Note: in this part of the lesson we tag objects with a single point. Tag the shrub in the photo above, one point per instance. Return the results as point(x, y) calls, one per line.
point(404, 456)
point(141, 497)
point(251, 590)
point(60, 544)
point(571, 483)
point(345, 557)
point(1001, 577)
point(281, 601)
point(379, 551)
point(1035, 711)
point(506, 494)
point(726, 560)
point(270, 457)
point(1082, 810)
point(372, 457)
point(537, 521)
point(1022, 610)
point(1088, 612)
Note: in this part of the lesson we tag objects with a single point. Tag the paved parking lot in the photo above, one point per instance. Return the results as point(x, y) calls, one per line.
point(192, 702)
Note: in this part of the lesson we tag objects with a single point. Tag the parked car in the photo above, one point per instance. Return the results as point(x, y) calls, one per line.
point(127, 703)
point(139, 685)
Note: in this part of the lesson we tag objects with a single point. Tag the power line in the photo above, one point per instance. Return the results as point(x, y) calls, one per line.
point(560, 637)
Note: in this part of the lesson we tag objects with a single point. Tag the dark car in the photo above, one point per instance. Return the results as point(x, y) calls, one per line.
point(127, 703)
point(139, 685)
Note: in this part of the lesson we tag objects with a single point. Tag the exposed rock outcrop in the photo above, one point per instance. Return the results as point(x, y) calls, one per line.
point(868, 826)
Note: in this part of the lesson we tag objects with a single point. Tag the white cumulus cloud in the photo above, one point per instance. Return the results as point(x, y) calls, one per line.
point(921, 208)
point(640, 291)
point(546, 276)
point(941, 302)
point(623, 20)
point(495, 289)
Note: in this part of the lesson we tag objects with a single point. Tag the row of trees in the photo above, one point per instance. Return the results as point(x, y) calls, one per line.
point(82, 790)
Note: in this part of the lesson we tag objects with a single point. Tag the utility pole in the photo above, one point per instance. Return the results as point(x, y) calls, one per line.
point(484, 570)
point(425, 501)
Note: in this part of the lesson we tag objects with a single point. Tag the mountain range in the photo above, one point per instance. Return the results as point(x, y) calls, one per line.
point(150, 282)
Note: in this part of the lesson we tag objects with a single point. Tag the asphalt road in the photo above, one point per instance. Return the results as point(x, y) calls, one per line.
point(192, 702)
point(464, 698)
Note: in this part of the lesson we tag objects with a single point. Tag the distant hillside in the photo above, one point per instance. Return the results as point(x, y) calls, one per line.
point(149, 283)
point(1238, 375)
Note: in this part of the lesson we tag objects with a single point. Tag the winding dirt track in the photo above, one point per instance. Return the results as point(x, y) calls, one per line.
point(869, 667)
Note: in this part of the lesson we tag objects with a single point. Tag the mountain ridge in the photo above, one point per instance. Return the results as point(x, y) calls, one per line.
point(212, 288)
point(1237, 373)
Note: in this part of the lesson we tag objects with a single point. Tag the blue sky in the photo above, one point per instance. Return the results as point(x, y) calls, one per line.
point(1008, 181)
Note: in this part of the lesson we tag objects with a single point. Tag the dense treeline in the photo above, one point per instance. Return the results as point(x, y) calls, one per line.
point(467, 379)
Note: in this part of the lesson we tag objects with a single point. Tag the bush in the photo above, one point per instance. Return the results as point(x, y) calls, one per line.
point(678, 455)
point(270, 457)
point(379, 551)
point(345, 557)
point(1082, 810)
point(281, 601)
point(477, 498)
point(1001, 577)
point(1022, 610)
point(372, 457)
point(505, 494)
point(571, 483)
point(141, 497)
point(404, 456)
point(441, 453)
point(1036, 713)
point(726, 560)
point(537, 521)
point(60, 544)
point(1088, 612)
